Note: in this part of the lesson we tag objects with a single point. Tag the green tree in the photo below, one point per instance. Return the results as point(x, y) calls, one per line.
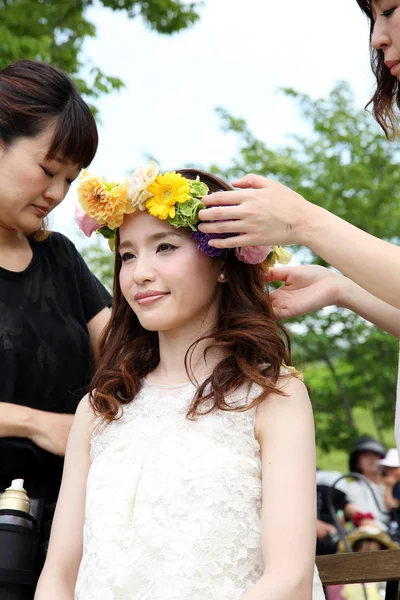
point(54, 31)
point(346, 166)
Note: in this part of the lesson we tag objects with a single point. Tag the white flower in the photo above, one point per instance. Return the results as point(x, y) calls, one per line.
point(138, 183)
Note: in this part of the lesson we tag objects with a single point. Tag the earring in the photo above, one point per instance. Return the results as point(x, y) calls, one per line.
point(222, 277)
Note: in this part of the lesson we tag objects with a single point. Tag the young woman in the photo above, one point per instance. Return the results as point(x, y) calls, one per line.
point(52, 309)
point(190, 469)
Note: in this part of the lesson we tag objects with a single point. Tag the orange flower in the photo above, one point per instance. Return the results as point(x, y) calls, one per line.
point(107, 202)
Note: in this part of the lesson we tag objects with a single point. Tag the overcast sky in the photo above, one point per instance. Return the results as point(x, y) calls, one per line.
point(233, 57)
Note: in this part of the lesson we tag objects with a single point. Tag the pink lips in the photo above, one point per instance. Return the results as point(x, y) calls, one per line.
point(41, 210)
point(149, 297)
point(392, 65)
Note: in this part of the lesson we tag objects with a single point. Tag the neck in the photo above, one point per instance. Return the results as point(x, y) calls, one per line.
point(173, 347)
point(11, 238)
point(374, 477)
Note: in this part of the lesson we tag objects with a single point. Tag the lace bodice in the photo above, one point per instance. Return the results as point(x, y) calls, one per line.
point(173, 505)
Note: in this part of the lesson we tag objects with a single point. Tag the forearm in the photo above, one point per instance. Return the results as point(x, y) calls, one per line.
point(390, 501)
point(371, 308)
point(370, 262)
point(284, 587)
point(16, 420)
point(54, 585)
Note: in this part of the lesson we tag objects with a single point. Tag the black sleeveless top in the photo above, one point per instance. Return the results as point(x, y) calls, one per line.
point(45, 354)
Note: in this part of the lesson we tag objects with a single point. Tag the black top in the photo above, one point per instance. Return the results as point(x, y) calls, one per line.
point(329, 544)
point(45, 353)
point(339, 501)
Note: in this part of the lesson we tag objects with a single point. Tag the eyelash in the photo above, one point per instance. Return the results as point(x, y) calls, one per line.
point(389, 12)
point(167, 247)
point(48, 172)
point(69, 181)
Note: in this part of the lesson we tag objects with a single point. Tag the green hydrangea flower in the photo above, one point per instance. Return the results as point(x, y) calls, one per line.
point(186, 213)
point(198, 189)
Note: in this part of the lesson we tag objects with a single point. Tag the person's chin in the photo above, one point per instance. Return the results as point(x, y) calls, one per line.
point(154, 324)
point(30, 226)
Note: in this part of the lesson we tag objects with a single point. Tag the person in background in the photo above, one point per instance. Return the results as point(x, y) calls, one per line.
point(328, 491)
point(52, 308)
point(363, 539)
point(390, 467)
point(364, 459)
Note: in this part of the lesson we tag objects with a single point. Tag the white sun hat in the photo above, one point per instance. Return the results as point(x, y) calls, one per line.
point(391, 459)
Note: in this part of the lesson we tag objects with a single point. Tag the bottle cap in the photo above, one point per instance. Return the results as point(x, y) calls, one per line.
point(18, 485)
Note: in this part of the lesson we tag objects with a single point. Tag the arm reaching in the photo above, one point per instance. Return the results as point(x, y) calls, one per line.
point(58, 578)
point(310, 288)
point(266, 213)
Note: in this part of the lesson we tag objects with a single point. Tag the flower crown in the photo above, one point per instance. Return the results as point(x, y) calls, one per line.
point(168, 196)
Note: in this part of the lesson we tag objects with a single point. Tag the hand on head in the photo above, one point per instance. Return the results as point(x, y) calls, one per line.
point(264, 213)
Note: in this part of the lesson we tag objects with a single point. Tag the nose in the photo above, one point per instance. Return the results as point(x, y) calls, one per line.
point(143, 271)
point(380, 38)
point(56, 191)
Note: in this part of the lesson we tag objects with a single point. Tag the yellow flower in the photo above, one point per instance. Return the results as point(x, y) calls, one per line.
point(167, 190)
point(283, 256)
point(104, 201)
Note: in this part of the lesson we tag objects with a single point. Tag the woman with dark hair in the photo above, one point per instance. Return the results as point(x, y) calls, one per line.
point(175, 484)
point(52, 309)
point(264, 211)
point(365, 458)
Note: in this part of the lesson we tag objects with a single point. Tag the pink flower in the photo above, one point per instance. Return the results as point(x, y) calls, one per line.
point(253, 255)
point(84, 222)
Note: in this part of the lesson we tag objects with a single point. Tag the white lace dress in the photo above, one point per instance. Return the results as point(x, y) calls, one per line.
point(173, 505)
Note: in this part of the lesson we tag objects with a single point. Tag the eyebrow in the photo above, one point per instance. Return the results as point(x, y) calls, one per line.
point(375, 4)
point(156, 237)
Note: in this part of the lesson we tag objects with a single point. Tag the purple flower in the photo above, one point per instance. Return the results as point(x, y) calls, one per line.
point(203, 239)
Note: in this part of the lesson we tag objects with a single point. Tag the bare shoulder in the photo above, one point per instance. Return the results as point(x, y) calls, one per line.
point(291, 405)
point(85, 415)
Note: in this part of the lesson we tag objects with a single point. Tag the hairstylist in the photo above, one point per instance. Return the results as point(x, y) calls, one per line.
point(52, 308)
point(265, 212)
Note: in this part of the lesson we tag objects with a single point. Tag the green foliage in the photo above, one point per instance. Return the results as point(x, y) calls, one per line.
point(100, 260)
point(54, 31)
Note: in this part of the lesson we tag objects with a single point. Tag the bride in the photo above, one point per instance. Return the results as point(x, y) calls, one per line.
point(190, 469)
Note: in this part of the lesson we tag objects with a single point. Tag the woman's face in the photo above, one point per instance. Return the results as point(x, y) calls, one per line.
point(30, 185)
point(166, 280)
point(386, 33)
point(368, 463)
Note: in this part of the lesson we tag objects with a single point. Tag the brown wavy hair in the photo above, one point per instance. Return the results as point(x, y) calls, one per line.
point(254, 342)
point(386, 98)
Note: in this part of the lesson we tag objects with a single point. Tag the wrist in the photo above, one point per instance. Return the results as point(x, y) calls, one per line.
point(311, 225)
point(30, 423)
point(16, 420)
point(345, 292)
